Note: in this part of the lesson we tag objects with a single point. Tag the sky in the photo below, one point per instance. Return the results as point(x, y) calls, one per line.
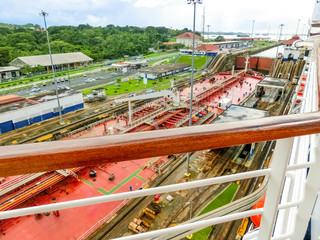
point(226, 15)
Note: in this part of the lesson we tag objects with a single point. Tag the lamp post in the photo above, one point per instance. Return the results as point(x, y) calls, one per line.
point(252, 29)
point(298, 26)
point(280, 32)
point(44, 14)
point(194, 2)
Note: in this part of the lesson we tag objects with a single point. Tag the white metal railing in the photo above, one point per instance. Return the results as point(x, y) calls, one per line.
point(102, 221)
point(290, 160)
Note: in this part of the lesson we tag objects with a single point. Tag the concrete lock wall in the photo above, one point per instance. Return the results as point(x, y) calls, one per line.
point(39, 112)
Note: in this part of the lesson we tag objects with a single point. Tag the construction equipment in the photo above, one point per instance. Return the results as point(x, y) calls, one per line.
point(144, 221)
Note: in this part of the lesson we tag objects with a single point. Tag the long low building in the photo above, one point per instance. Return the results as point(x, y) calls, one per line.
point(7, 73)
point(17, 112)
point(152, 73)
point(61, 61)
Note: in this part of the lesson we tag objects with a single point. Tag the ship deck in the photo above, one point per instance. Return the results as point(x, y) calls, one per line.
point(73, 223)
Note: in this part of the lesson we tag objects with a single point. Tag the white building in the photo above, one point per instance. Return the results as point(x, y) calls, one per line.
point(7, 73)
point(152, 73)
point(187, 39)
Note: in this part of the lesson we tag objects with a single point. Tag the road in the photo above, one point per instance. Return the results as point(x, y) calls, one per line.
point(78, 83)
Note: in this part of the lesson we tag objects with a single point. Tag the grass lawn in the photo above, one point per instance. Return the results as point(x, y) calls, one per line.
point(199, 61)
point(223, 199)
point(133, 86)
point(261, 44)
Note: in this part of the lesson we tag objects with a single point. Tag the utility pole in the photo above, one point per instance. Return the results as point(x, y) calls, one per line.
point(194, 2)
point(298, 26)
point(203, 20)
point(252, 29)
point(44, 14)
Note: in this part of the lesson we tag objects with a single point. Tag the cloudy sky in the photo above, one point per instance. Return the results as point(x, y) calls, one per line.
point(226, 15)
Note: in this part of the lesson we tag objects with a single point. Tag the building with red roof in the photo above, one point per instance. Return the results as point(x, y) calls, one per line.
point(207, 48)
point(187, 39)
point(289, 42)
point(289, 53)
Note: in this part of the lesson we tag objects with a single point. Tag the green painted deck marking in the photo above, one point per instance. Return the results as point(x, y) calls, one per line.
point(141, 178)
point(87, 182)
point(153, 159)
point(127, 179)
point(124, 181)
point(104, 192)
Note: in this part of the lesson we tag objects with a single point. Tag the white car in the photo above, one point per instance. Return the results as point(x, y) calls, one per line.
point(89, 80)
point(35, 89)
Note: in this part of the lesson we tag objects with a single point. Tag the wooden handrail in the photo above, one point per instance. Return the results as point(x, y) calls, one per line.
point(318, 73)
point(49, 156)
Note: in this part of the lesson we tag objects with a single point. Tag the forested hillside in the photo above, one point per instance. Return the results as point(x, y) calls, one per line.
point(97, 42)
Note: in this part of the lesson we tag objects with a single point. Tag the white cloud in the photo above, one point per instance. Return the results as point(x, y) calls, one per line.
point(227, 15)
point(151, 3)
point(96, 21)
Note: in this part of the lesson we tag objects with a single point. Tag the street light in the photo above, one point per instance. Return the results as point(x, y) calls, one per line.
point(194, 2)
point(280, 26)
point(252, 29)
point(44, 14)
point(298, 26)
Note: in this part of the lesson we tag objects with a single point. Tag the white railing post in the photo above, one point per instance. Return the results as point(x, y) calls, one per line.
point(276, 179)
point(312, 186)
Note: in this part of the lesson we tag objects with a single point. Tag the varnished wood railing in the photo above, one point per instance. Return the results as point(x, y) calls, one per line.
point(318, 73)
point(49, 156)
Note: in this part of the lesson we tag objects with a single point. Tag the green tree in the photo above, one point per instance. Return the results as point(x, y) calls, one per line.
point(26, 69)
point(4, 56)
point(219, 39)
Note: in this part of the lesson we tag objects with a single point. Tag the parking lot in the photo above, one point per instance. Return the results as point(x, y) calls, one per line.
point(87, 80)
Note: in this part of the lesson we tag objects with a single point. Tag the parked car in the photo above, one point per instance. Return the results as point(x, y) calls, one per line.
point(35, 89)
point(84, 75)
point(114, 74)
point(89, 80)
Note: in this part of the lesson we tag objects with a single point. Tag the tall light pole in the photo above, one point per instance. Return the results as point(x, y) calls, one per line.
point(44, 14)
point(281, 27)
point(208, 31)
point(298, 26)
point(252, 29)
point(194, 2)
point(280, 32)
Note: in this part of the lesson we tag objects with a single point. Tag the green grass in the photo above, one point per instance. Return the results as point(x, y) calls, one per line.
point(199, 61)
point(261, 44)
point(133, 86)
point(224, 198)
point(154, 55)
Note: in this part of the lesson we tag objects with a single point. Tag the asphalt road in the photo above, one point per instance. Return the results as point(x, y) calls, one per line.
point(75, 83)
